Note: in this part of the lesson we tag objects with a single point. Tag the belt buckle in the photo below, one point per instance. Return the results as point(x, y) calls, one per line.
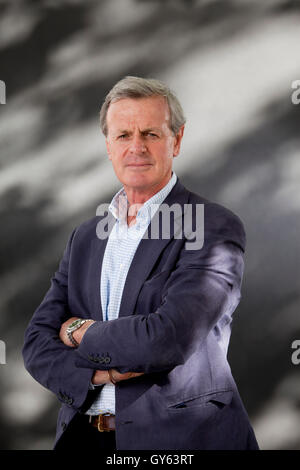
point(101, 422)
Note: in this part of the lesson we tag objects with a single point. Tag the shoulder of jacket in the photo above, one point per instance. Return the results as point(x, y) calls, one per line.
point(86, 228)
point(221, 219)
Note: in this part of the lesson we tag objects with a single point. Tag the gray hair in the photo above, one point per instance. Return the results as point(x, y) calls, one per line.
point(137, 87)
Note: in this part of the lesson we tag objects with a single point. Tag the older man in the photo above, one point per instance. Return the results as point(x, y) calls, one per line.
point(132, 335)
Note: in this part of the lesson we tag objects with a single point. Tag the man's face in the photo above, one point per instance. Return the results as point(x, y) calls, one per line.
point(140, 143)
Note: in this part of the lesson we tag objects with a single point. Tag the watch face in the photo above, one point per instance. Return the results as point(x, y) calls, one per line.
point(74, 324)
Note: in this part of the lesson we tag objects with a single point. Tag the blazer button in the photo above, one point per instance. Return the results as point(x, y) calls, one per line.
point(64, 426)
point(107, 360)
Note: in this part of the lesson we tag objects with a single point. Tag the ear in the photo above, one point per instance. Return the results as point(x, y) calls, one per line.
point(107, 143)
point(177, 142)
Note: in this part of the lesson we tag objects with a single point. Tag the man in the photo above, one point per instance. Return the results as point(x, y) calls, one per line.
point(132, 335)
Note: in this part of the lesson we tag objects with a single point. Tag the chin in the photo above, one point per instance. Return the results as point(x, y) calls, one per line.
point(138, 179)
point(138, 182)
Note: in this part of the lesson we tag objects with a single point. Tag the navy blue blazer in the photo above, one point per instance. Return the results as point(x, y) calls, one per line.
point(174, 324)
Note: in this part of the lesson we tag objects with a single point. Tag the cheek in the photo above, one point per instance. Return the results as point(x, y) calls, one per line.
point(116, 154)
point(166, 153)
point(163, 149)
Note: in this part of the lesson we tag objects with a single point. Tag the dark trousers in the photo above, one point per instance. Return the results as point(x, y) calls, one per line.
point(81, 435)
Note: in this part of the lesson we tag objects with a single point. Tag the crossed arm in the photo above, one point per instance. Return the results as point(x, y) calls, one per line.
point(204, 286)
point(49, 356)
point(100, 376)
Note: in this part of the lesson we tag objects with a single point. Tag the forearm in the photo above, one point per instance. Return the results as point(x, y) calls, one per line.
point(157, 342)
point(52, 364)
point(193, 302)
point(71, 334)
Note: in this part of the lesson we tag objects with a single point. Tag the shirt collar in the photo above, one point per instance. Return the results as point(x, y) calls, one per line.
point(119, 204)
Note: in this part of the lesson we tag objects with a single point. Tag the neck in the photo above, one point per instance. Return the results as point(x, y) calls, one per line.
point(138, 196)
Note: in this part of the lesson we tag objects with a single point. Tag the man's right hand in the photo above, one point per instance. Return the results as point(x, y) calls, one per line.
point(102, 376)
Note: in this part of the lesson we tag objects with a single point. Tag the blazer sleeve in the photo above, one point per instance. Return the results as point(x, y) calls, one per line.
point(203, 288)
point(46, 358)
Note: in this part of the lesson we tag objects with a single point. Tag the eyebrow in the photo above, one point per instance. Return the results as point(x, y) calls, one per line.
point(152, 129)
point(144, 131)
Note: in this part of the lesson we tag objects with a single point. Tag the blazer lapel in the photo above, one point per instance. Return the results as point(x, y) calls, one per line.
point(148, 252)
point(98, 246)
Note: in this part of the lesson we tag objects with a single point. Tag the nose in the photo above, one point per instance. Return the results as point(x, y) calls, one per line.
point(137, 145)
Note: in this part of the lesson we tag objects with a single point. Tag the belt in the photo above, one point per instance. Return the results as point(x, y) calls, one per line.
point(103, 422)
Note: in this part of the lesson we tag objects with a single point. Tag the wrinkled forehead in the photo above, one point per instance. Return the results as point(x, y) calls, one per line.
point(146, 112)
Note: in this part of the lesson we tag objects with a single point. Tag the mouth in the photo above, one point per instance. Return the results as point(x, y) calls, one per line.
point(139, 165)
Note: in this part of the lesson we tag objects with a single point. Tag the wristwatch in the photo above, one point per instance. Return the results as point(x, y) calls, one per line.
point(75, 325)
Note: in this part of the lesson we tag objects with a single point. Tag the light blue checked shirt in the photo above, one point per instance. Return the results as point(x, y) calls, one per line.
point(119, 252)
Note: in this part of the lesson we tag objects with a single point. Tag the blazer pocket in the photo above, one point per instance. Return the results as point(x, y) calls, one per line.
point(218, 398)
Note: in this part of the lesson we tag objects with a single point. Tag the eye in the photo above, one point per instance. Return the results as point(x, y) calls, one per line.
point(152, 134)
point(122, 136)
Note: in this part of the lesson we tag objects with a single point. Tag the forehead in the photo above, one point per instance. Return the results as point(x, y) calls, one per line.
point(144, 112)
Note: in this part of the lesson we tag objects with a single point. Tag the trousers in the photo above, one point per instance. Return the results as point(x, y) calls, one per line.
point(81, 435)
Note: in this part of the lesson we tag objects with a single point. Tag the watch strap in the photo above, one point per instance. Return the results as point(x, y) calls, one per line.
point(70, 333)
point(70, 336)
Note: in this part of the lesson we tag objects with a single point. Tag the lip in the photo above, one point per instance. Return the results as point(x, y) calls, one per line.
point(139, 164)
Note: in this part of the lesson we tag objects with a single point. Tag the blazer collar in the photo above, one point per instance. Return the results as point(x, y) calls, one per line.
point(145, 257)
point(148, 252)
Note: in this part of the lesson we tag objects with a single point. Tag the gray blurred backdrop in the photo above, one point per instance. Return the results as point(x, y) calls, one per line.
point(232, 64)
